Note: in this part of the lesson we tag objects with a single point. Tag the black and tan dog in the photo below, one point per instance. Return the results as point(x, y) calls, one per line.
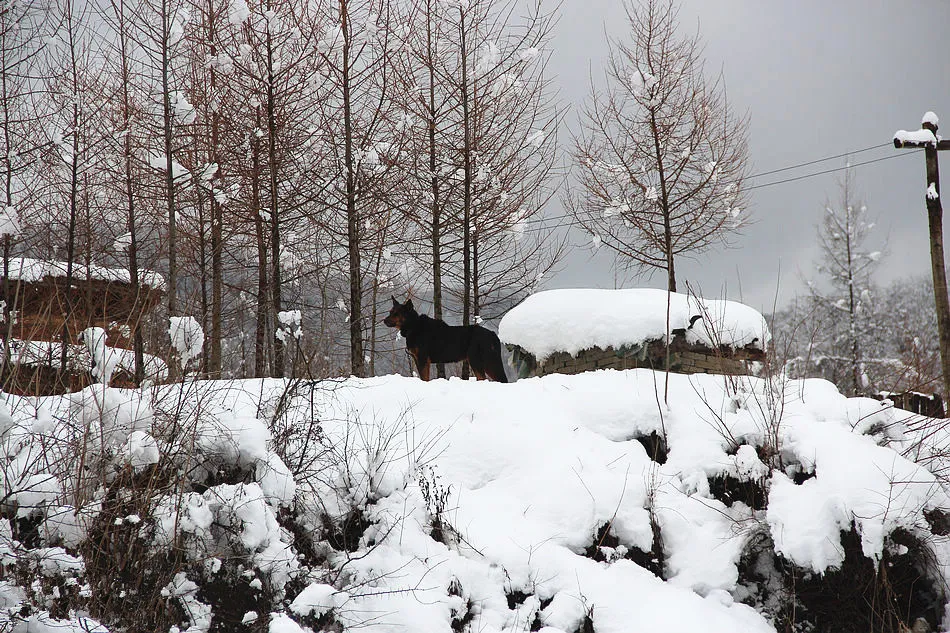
point(431, 340)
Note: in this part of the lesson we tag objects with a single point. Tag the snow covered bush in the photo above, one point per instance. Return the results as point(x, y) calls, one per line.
point(286, 505)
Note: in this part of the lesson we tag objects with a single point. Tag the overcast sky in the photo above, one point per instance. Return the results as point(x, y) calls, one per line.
point(818, 78)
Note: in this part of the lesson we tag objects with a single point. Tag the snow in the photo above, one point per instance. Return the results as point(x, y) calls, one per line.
point(528, 473)
point(915, 137)
point(122, 242)
point(931, 118)
point(9, 223)
point(31, 270)
point(141, 449)
point(529, 54)
point(103, 358)
point(187, 337)
point(157, 160)
point(316, 599)
point(238, 12)
point(29, 493)
point(289, 325)
point(572, 320)
point(240, 440)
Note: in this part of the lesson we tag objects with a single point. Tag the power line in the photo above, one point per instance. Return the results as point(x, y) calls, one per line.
point(820, 160)
point(541, 221)
point(826, 171)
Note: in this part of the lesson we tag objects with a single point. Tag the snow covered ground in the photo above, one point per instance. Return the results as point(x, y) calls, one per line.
point(479, 503)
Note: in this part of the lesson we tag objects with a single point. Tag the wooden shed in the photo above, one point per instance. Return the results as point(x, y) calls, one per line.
point(38, 303)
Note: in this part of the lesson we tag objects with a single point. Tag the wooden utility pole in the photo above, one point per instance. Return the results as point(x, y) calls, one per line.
point(927, 139)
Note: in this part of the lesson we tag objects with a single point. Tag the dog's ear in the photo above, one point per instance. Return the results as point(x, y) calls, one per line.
point(408, 303)
point(395, 303)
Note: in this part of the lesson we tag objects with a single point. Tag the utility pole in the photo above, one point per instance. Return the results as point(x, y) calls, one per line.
point(927, 139)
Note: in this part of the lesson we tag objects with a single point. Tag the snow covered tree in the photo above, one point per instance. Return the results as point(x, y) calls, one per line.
point(275, 106)
point(158, 34)
point(848, 265)
point(661, 158)
point(507, 154)
point(124, 115)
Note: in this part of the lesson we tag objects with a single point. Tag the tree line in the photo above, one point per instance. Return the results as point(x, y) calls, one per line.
point(274, 158)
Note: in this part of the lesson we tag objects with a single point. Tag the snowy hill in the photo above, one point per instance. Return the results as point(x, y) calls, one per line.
point(562, 504)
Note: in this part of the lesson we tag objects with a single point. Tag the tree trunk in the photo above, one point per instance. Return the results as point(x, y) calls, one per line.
point(476, 307)
point(168, 145)
point(138, 343)
point(467, 189)
point(275, 286)
point(260, 328)
point(357, 367)
point(202, 267)
point(434, 187)
point(852, 307)
point(664, 208)
point(214, 365)
point(70, 240)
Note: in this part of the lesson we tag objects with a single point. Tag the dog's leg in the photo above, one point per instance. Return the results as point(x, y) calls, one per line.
point(424, 367)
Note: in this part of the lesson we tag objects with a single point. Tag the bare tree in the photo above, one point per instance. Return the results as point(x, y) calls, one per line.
point(20, 142)
point(277, 64)
point(125, 113)
point(511, 150)
point(75, 142)
point(478, 81)
point(661, 159)
point(358, 127)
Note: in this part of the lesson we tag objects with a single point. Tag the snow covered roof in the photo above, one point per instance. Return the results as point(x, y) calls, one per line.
point(28, 269)
point(572, 320)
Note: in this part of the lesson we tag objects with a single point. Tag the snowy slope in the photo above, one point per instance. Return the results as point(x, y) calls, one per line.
point(520, 478)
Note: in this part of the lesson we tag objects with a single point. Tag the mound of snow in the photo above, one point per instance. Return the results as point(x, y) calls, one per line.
point(572, 320)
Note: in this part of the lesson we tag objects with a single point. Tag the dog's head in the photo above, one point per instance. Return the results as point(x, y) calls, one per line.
point(400, 313)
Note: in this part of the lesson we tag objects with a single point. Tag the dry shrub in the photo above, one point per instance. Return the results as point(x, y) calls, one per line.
point(856, 598)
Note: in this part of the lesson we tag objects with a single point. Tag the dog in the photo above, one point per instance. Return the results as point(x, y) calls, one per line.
point(431, 340)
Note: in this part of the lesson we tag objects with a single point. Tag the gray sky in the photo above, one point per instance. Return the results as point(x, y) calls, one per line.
point(818, 78)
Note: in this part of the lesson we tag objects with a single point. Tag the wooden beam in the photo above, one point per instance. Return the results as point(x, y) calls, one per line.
point(942, 144)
